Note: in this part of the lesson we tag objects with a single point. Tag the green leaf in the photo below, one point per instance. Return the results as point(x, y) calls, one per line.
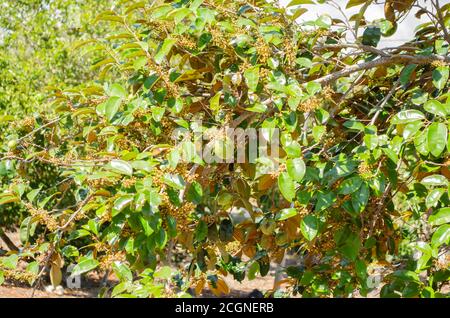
point(406, 73)
point(27, 229)
point(406, 275)
point(122, 167)
point(298, 2)
point(195, 193)
point(70, 251)
point(121, 203)
point(286, 214)
point(157, 113)
point(33, 194)
point(419, 97)
point(407, 116)
point(324, 21)
point(203, 40)
point(164, 272)
point(10, 262)
point(354, 125)
point(441, 236)
point(214, 102)
point(201, 231)
point(296, 168)
point(433, 198)
point(442, 216)
point(435, 107)
point(420, 142)
point(437, 138)
point(305, 62)
point(2, 277)
point(251, 76)
point(371, 36)
point(440, 76)
point(253, 270)
point(351, 246)
point(318, 132)
point(122, 271)
point(286, 186)
point(434, 180)
point(354, 3)
point(164, 50)
point(117, 90)
point(309, 227)
point(360, 198)
point(324, 200)
point(313, 88)
point(112, 106)
point(361, 269)
point(85, 265)
point(350, 185)
point(140, 63)
point(411, 129)
point(174, 180)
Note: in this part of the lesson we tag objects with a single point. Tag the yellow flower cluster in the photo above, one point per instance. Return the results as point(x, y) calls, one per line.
point(310, 104)
point(291, 52)
point(365, 170)
point(180, 214)
point(263, 50)
point(107, 260)
point(18, 275)
point(43, 217)
point(128, 183)
point(185, 42)
point(100, 183)
point(437, 64)
point(233, 247)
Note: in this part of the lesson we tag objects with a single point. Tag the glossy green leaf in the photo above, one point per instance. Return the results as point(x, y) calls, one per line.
point(440, 76)
point(296, 169)
point(442, 216)
point(286, 214)
point(84, 266)
point(287, 186)
point(112, 106)
point(437, 138)
point(164, 50)
point(435, 107)
point(122, 167)
point(350, 185)
point(252, 77)
point(407, 116)
point(309, 227)
point(441, 235)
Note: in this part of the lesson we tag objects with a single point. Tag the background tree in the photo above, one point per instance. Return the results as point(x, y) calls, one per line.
point(36, 38)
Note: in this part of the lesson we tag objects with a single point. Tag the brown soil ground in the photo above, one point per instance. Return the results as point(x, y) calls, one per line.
point(93, 283)
point(14, 290)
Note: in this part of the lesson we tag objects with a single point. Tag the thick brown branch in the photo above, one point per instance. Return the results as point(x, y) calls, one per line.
point(10, 244)
point(382, 61)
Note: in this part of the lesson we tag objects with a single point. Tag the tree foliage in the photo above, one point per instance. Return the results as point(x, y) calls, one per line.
point(363, 177)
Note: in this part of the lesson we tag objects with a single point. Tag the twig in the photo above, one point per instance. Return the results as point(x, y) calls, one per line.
point(383, 103)
point(441, 20)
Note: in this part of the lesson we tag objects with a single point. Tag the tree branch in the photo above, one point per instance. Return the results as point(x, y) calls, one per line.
point(10, 244)
point(441, 21)
point(382, 61)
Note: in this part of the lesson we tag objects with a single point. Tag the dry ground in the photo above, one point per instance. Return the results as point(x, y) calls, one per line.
point(10, 290)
